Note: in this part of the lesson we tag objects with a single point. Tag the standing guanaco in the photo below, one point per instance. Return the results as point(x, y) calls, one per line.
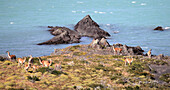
point(58, 66)
point(29, 63)
point(21, 61)
point(128, 60)
point(11, 56)
point(149, 53)
point(46, 63)
point(117, 50)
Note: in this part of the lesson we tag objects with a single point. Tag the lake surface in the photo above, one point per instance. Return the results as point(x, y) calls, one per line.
point(23, 23)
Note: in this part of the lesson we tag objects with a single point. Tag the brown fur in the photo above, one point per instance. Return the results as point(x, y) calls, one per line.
point(117, 50)
point(11, 56)
point(128, 60)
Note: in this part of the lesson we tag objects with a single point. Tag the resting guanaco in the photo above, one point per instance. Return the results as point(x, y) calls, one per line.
point(29, 63)
point(149, 53)
point(58, 66)
point(21, 61)
point(128, 60)
point(45, 63)
point(35, 67)
point(117, 50)
point(11, 56)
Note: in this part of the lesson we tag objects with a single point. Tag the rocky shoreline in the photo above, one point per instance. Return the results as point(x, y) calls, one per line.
point(92, 66)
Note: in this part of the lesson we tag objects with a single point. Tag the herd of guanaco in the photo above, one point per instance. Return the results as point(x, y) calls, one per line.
point(44, 63)
point(47, 63)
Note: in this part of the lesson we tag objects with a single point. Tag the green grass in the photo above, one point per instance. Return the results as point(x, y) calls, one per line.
point(89, 71)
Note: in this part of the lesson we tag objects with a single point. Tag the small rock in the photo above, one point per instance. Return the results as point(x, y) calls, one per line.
point(159, 28)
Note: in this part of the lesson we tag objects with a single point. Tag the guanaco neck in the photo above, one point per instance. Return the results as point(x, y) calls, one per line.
point(24, 59)
point(8, 54)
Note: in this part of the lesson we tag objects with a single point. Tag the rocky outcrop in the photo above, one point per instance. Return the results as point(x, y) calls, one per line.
point(88, 27)
point(159, 28)
point(125, 50)
point(62, 35)
point(85, 27)
point(128, 50)
point(99, 43)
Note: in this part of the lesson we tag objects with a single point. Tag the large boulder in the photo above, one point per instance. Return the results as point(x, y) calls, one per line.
point(88, 27)
point(62, 35)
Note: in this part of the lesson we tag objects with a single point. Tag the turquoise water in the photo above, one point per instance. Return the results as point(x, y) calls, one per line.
point(23, 23)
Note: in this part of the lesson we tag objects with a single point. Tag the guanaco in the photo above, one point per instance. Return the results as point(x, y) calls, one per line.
point(117, 50)
point(45, 63)
point(29, 63)
point(21, 61)
point(11, 56)
point(128, 60)
point(35, 67)
point(58, 66)
point(149, 53)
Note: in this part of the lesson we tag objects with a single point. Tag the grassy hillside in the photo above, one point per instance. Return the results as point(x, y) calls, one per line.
point(86, 68)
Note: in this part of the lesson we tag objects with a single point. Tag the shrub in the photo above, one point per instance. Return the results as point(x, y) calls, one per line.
point(33, 78)
point(43, 69)
point(56, 72)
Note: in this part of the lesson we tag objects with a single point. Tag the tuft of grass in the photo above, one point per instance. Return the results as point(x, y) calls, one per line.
point(43, 69)
point(79, 53)
point(56, 72)
point(33, 78)
point(73, 48)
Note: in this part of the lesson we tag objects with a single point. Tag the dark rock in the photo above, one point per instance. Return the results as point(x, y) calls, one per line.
point(88, 27)
point(62, 35)
point(136, 50)
point(159, 28)
point(50, 26)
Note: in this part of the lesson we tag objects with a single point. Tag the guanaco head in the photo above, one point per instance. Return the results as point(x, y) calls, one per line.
point(7, 52)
